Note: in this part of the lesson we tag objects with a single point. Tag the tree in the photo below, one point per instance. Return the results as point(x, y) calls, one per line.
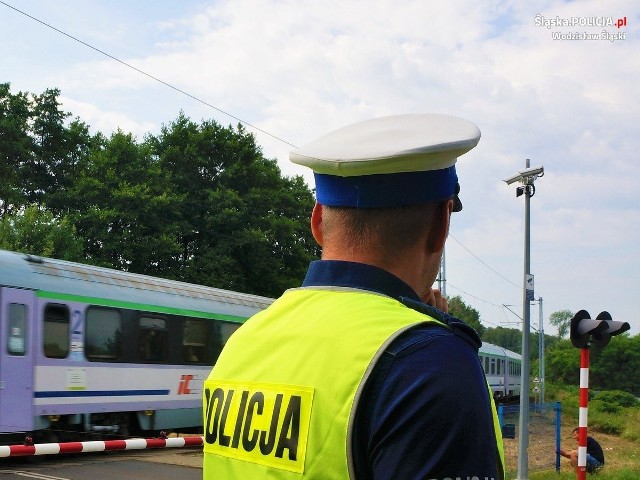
point(198, 202)
point(39, 152)
point(562, 320)
point(123, 209)
point(36, 231)
point(241, 225)
point(459, 309)
point(616, 366)
point(47, 131)
point(509, 338)
point(16, 147)
point(562, 363)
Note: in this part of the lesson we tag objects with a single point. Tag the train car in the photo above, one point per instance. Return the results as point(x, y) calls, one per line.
point(89, 349)
point(502, 368)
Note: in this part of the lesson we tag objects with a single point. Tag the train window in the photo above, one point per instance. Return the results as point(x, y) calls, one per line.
point(224, 332)
point(194, 340)
point(153, 339)
point(493, 366)
point(486, 364)
point(103, 334)
point(226, 329)
point(198, 345)
point(56, 331)
point(17, 329)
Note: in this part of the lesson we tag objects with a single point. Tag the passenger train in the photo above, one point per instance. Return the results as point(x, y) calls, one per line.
point(502, 368)
point(89, 349)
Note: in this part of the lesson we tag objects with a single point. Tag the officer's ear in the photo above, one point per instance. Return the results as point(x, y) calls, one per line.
point(439, 226)
point(316, 223)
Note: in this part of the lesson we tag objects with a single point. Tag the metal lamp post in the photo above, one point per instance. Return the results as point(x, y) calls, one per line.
point(526, 177)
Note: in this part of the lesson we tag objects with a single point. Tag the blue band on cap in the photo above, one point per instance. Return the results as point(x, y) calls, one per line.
point(386, 190)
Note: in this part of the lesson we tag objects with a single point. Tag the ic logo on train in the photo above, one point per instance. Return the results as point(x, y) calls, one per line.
point(189, 385)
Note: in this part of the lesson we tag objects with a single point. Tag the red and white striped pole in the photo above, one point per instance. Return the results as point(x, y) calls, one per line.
point(582, 413)
point(98, 446)
point(582, 330)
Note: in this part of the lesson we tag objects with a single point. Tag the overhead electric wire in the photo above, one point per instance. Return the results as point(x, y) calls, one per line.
point(449, 284)
point(502, 307)
point(197, 99)
point(483, 262)
point(482, 300)
point(193, 97)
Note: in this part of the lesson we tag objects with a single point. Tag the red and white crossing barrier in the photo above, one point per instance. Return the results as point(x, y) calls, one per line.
point(98, 446)
point(583, 413)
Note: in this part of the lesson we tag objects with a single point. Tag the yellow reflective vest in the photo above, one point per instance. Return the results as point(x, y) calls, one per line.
point(281, 399)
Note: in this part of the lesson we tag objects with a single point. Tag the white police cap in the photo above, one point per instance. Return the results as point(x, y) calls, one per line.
point(389, 161)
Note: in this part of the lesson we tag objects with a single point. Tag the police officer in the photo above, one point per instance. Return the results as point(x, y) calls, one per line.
point(360, 373)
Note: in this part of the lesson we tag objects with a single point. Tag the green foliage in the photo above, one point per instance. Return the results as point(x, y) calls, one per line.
point(605, 474)
point(198, 202)
point(615, 367)
point(16, 146)
point(126, 216)
point(35, 230)
point(617, 398)
point(562, 320)
point(38, 151)
point(615, 412)
point(569, 396)
point(459, 309)
point(562, 363)
point(608, 422)
point(631, 429)
point(610, 411)
point(509, 338)
point(243, 226)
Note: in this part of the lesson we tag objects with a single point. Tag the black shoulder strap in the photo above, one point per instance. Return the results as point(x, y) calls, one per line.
point(457, 326)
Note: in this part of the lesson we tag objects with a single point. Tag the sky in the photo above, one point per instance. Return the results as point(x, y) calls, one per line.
point(556, 82)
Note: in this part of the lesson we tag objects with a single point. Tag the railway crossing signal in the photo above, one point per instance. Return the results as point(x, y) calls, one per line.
point(583, 332)
point(601, 339)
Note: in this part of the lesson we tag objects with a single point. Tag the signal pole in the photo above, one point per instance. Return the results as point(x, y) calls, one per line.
point(526, 177)
point(583, 332)
point(442, 275)
point(541, 351)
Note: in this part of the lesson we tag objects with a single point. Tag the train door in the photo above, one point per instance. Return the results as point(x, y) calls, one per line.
point(16, 359)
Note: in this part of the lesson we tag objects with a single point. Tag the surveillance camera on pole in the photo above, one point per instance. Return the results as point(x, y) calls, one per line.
point(526, 177)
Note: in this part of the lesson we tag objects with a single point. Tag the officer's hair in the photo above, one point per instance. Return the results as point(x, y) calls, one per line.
point(387, 229)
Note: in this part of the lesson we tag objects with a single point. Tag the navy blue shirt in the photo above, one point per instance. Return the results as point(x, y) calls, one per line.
point(595, 450)
point(425, 410)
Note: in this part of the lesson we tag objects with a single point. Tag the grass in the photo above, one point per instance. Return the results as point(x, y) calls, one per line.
point(622, 454)
point(613, 420)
